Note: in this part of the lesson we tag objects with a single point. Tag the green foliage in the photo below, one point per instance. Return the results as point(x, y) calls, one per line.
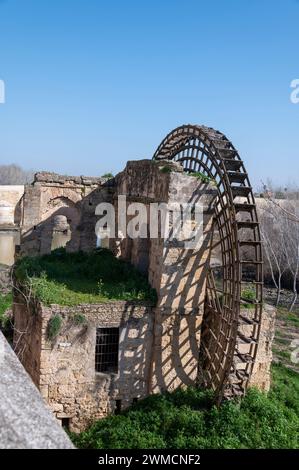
point(293, 318)
point(285, 387)
point(54, 327)
point(282, 354)
point(283, 341)
point(107, 175)
point(166, 169)
point(75, 278)
point(79, 319)
point(188, 419)
point(250, 295)
point(201, 176)
point(5, 304)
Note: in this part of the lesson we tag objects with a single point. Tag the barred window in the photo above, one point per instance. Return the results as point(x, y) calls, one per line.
point(107, 345)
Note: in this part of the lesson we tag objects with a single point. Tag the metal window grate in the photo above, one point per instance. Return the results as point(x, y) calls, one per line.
point(106, 355)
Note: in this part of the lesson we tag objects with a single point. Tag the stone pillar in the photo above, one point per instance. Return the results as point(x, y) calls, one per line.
point(178, 274)
point(261, 374)
point(61, 232)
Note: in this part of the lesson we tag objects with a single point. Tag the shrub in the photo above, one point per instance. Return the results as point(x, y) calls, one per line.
point(189, 419)
point(166, 169)
point(107, 175)
point(5, 304)
point(250, 295)
point(79, 319)
point(54, 327)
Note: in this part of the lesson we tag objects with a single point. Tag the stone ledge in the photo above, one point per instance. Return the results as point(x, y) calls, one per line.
point(26, 423)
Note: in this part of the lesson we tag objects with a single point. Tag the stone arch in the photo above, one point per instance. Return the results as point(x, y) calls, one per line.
point(60, 220)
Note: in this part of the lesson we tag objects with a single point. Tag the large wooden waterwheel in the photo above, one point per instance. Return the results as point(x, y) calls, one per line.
point(229, 336)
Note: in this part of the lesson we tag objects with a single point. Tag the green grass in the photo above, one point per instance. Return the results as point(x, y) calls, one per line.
point(282, 341)
point(282, 354)
point(279, 334)
point(285, 387)
point(188, 419)
point(79, 319)
point(293, 319)
point(284, 336)
point(250, 295)
point(75, 278)
point(290, 317)
point(5, 304)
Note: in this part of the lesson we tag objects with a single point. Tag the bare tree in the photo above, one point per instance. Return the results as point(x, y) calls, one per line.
point(292, 252)
point(272, 231)
point(280, 232)
point(13, 174)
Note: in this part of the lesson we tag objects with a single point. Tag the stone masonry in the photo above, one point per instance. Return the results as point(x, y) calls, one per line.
point(64, 369)
point(159, 345)
point(52, 196)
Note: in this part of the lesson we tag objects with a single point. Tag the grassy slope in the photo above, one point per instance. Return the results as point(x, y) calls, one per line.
point(286, 332)
point(184, 419)
point(5, 304)
point(188, 419)
point(74, 278)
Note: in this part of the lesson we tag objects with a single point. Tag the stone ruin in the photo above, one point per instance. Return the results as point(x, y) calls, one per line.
point(200, 332)
point(10, 219)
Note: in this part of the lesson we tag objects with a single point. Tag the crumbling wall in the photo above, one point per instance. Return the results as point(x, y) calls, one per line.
point(160, 346)
point(72, 197)
point(10, 219)
point(11, 204)
point(64, 369)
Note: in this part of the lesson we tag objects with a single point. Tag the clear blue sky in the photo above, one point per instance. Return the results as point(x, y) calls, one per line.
point(91, 84)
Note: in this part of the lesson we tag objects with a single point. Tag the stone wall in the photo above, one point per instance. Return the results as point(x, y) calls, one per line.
point(64, 369)
point(72, 197)
point(159, 346)
point(158, 350)
point(11, 202)
point(11, 197)
point(9, 240)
